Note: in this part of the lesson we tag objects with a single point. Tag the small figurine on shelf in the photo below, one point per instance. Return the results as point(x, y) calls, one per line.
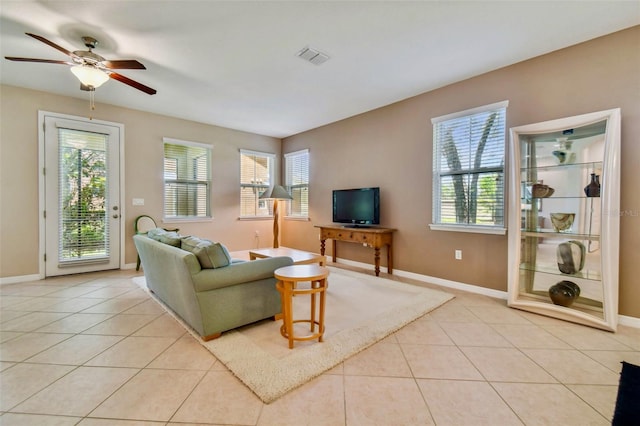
point(593, 189)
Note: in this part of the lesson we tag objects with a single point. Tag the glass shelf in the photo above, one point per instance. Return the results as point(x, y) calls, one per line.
point(550, 233)
point(552, 269)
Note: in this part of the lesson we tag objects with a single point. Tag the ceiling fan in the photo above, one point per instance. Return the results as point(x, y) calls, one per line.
point(91, 69)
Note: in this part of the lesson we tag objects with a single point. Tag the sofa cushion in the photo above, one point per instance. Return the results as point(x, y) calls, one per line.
point(210, 255)
point(171, 238)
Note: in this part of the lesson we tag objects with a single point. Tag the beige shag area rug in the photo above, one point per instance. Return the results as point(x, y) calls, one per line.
point(360, 310)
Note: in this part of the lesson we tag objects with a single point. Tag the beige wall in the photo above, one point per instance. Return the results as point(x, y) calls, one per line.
point(391, 147)
point(19, 179)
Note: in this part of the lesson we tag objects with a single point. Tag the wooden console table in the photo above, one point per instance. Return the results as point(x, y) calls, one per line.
point(371, 237)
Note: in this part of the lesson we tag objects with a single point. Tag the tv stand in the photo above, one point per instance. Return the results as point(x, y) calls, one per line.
point(357, 226)
point(371, 237)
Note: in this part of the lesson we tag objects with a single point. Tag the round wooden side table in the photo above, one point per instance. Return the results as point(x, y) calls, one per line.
point(288, 278)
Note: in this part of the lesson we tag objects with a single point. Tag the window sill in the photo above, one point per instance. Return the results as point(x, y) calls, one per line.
point(187, 220)
point(255, 218)
point(300, 218)
point(470, 229)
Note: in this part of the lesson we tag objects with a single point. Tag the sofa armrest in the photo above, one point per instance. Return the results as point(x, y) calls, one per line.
point(238, 273)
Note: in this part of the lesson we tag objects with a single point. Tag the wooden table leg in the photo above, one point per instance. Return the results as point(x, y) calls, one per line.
point(377, 260)
point(288, 311)
point(334, 250)
point(324, 284)
point(389, 259)
point(322, 247)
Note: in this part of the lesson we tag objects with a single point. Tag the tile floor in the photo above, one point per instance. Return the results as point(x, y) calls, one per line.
point(94, 349)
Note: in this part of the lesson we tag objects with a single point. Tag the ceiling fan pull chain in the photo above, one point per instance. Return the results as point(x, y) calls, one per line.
point(92, 100)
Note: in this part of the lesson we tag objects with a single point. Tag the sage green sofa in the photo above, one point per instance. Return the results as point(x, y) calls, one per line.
point(222, 295)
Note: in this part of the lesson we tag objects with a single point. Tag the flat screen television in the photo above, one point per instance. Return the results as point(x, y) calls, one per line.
point(359, 207)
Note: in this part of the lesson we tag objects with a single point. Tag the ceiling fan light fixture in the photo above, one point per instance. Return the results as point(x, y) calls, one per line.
point(90, 75)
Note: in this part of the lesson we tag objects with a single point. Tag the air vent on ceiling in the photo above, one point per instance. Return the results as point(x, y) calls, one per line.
point(312, 55)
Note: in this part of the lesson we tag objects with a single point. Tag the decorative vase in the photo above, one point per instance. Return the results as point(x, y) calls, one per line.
point(562, 221)
point(593, 189)
point(564, 293)
point(570, 256)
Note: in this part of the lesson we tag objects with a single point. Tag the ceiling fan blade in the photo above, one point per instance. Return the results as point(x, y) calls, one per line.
point(124, 64)
point(121, 78)
point(52, 44)
point(46, 61)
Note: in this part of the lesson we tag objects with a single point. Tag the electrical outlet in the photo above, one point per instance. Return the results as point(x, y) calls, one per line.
point(257, 234)
point(458, 254)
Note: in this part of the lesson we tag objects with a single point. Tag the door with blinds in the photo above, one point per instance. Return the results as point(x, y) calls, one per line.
point(82, 195)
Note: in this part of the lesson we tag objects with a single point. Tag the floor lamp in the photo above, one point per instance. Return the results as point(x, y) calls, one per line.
point(275, 193)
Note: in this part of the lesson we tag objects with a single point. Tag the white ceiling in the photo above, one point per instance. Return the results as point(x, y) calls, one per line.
point(234, 63)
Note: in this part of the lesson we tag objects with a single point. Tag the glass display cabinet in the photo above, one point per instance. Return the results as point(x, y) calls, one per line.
point(564, 218)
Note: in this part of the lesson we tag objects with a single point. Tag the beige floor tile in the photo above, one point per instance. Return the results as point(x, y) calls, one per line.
point(472, 334)
point(451, 312)
point(466, 403)
point(601, 398)
point(74, 323)
point(373, 361)
point(114, 422)
point(121, 325)
point(548, 404)
point(34, 304)
point(114, 306)
point(76, 350)
point(77, 393)
point(150, 395)
point(612, 359)
point(15, 419)
point(32, 321)
point(135, 352)
point(72, 292)
point(4, 365)
point(587, 338)
point(439, 362)
point(529, 336)
point(23, 380)
point(498, 315)
point(321, 402)
point(7, 315)
point(28, 345)
point(628, 336)
point(423, 331)
point(7, 300)
point(149, 306)
point(163, 326)
point(185, 354)
point(72, 305)
point(106, 292)
point(572, 367)
point(234, 402)
point(33, 290)
point(383, 401)
point(5, 336)
point(506, 365)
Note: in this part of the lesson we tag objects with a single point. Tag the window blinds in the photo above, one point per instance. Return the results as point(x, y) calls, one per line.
point(256, 175)
point(187, 180)
point(82, 195)
point(469, 167)
point(297, 182)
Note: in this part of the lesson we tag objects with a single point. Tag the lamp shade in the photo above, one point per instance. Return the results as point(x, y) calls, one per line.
point(89, 75)
point(276, 192)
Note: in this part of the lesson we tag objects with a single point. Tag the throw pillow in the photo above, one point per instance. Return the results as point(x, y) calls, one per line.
point(210, 255)
point(627, 411)
point(171, 238)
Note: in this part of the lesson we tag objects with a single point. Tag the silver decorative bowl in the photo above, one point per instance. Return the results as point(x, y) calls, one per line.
point(562, 221)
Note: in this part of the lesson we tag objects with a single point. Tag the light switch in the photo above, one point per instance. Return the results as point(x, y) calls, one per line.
point(138, 201)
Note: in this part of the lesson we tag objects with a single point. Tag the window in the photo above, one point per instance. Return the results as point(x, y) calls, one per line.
point(468, 170)
point(297, 182)
point(187, 179)
point(256, 175)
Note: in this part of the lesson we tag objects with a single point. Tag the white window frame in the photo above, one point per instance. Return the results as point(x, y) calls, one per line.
point(188, 218)
point(437, 174)
point(294, 160)
point(260, 187)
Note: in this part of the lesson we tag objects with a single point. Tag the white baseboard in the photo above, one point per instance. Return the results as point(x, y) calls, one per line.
point(622, 319)
point(20, 279)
